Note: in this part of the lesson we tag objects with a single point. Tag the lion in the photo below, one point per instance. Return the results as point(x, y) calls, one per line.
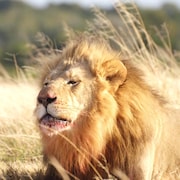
point(98, 116)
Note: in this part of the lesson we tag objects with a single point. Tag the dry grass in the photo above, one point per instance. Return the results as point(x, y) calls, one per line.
point(17, 104)
point(20, 148)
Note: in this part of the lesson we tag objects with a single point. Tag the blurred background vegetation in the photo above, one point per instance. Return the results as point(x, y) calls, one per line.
point(20, 23)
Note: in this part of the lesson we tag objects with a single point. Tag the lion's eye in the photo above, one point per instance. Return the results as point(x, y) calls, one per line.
point(46, 84)
point(72, 82)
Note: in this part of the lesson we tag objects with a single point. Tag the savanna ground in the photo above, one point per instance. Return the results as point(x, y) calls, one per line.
point(20, 147)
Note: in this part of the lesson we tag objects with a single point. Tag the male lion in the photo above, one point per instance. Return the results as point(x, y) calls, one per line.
point(98, 116)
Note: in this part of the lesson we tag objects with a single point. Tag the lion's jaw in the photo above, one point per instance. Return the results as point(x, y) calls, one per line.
point(70, 101)
point(51, 124)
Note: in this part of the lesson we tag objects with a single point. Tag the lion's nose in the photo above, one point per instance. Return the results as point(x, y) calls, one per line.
point(46, 97)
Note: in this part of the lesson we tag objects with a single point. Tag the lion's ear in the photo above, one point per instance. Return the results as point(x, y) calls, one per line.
point(115, 72)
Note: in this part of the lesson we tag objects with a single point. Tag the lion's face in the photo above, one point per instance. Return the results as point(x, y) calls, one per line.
point(64, 98)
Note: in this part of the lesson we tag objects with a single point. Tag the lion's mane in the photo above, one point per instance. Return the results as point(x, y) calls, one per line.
point(128, 126)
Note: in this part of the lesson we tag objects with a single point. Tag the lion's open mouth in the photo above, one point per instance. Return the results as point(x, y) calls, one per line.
point(53, 124)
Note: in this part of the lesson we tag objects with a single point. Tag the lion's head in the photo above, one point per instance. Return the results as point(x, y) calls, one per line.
point(77, 84)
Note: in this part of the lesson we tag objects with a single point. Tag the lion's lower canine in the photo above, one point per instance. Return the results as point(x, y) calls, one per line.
point(97, 115)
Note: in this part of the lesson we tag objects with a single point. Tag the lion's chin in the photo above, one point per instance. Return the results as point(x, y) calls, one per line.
point(52, 126)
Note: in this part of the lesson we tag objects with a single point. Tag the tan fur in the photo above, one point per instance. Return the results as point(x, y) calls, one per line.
point(123, 124)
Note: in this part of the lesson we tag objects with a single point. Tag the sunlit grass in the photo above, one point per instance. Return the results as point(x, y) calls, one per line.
point(20, 147)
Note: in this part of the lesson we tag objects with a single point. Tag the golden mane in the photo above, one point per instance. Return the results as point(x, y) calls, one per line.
point(125, 127)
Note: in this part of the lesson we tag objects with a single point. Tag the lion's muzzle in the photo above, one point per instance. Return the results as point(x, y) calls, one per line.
point(46, 96)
